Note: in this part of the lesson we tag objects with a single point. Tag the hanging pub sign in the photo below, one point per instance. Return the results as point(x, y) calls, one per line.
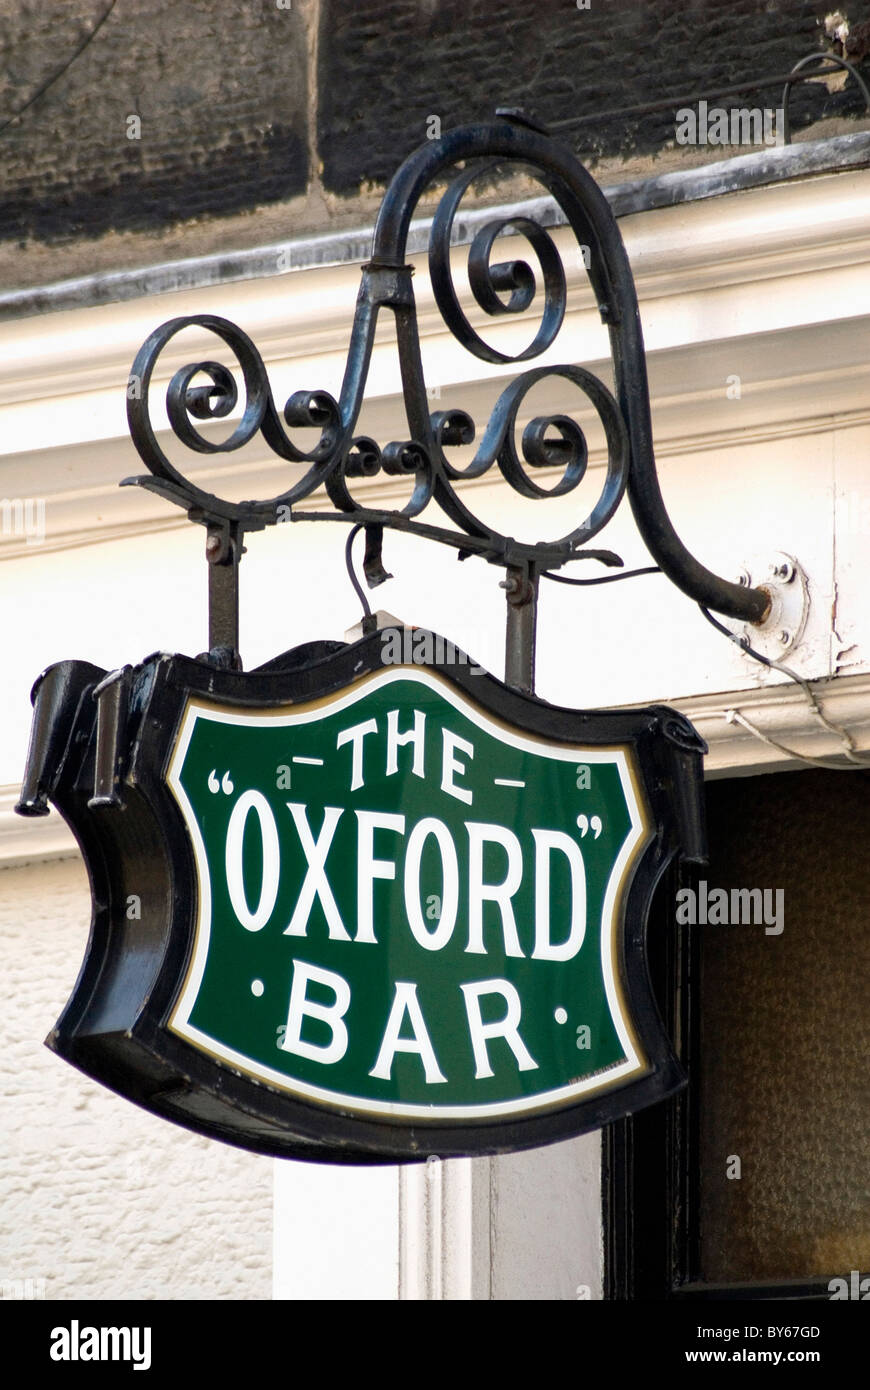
point(352, 909)
point(368, 903)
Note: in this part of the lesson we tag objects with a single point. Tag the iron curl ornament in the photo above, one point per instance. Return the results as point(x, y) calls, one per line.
point(340, 454)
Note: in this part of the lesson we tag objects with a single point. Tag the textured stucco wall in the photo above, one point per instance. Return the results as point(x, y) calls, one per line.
point(97, 1198)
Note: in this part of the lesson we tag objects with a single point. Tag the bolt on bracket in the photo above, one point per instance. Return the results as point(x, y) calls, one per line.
point(784, 581)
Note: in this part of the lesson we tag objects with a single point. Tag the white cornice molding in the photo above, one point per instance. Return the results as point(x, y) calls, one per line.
point(780, 711)
point(756, 169)
point(799, 345)
point(783, 713)
point(739, 237)
point(126, 513)
point(773, 283)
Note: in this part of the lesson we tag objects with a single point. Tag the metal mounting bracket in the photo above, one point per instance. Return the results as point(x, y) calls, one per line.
point(340, 454)
point(781, 577)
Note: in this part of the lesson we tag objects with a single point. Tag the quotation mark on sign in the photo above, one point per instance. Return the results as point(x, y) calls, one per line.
point(225, 784)
point(586, 825)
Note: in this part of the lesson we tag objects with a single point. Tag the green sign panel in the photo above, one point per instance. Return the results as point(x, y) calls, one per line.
point(407, 908)
point(355, 911)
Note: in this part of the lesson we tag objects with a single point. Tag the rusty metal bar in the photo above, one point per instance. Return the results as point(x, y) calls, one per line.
point(521, 587)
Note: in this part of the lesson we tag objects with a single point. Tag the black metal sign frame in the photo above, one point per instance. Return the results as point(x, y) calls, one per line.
point(100, 750)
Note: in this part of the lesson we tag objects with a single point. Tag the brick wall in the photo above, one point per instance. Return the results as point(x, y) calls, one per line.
point(384, 67)
point(219, 90)
point(146, 118)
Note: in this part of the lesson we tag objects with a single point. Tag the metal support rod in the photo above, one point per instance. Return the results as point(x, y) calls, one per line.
point(111, 695)
point(521, 587)
point(223, 551)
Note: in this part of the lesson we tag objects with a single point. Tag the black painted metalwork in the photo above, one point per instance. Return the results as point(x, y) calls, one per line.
point(751, 85)
point(98, 752)
point(340, 454)
point(798, 74)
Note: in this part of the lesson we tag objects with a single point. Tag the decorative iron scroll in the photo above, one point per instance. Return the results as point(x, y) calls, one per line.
point(502, 288)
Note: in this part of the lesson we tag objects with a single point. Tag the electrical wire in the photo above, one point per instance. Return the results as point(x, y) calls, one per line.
point(351, 572)
point(59, 72)
point(604, 579)
point(755, 84)
point(735, 716)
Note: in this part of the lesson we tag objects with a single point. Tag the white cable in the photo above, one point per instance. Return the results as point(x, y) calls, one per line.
point(734, 716)
point(849, 750)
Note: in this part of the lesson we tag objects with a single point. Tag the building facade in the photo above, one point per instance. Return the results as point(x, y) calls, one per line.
point(752, 267)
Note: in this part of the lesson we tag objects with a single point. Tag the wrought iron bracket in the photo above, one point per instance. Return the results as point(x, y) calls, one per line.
point(206, 391)
point(785, 582)
point(223, 551)
point(521, 588)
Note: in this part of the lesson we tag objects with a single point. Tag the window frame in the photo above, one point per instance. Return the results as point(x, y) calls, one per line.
point(650, 1177)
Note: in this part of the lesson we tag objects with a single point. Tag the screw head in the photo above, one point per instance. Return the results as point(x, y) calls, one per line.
point(783, 570)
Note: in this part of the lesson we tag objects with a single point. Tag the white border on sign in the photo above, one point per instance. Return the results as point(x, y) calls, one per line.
point(179, 1021)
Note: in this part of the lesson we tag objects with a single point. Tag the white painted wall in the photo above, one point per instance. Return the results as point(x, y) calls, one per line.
point(336, 1232)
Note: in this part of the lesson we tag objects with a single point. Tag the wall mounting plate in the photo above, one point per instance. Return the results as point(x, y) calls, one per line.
point(785, 581)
